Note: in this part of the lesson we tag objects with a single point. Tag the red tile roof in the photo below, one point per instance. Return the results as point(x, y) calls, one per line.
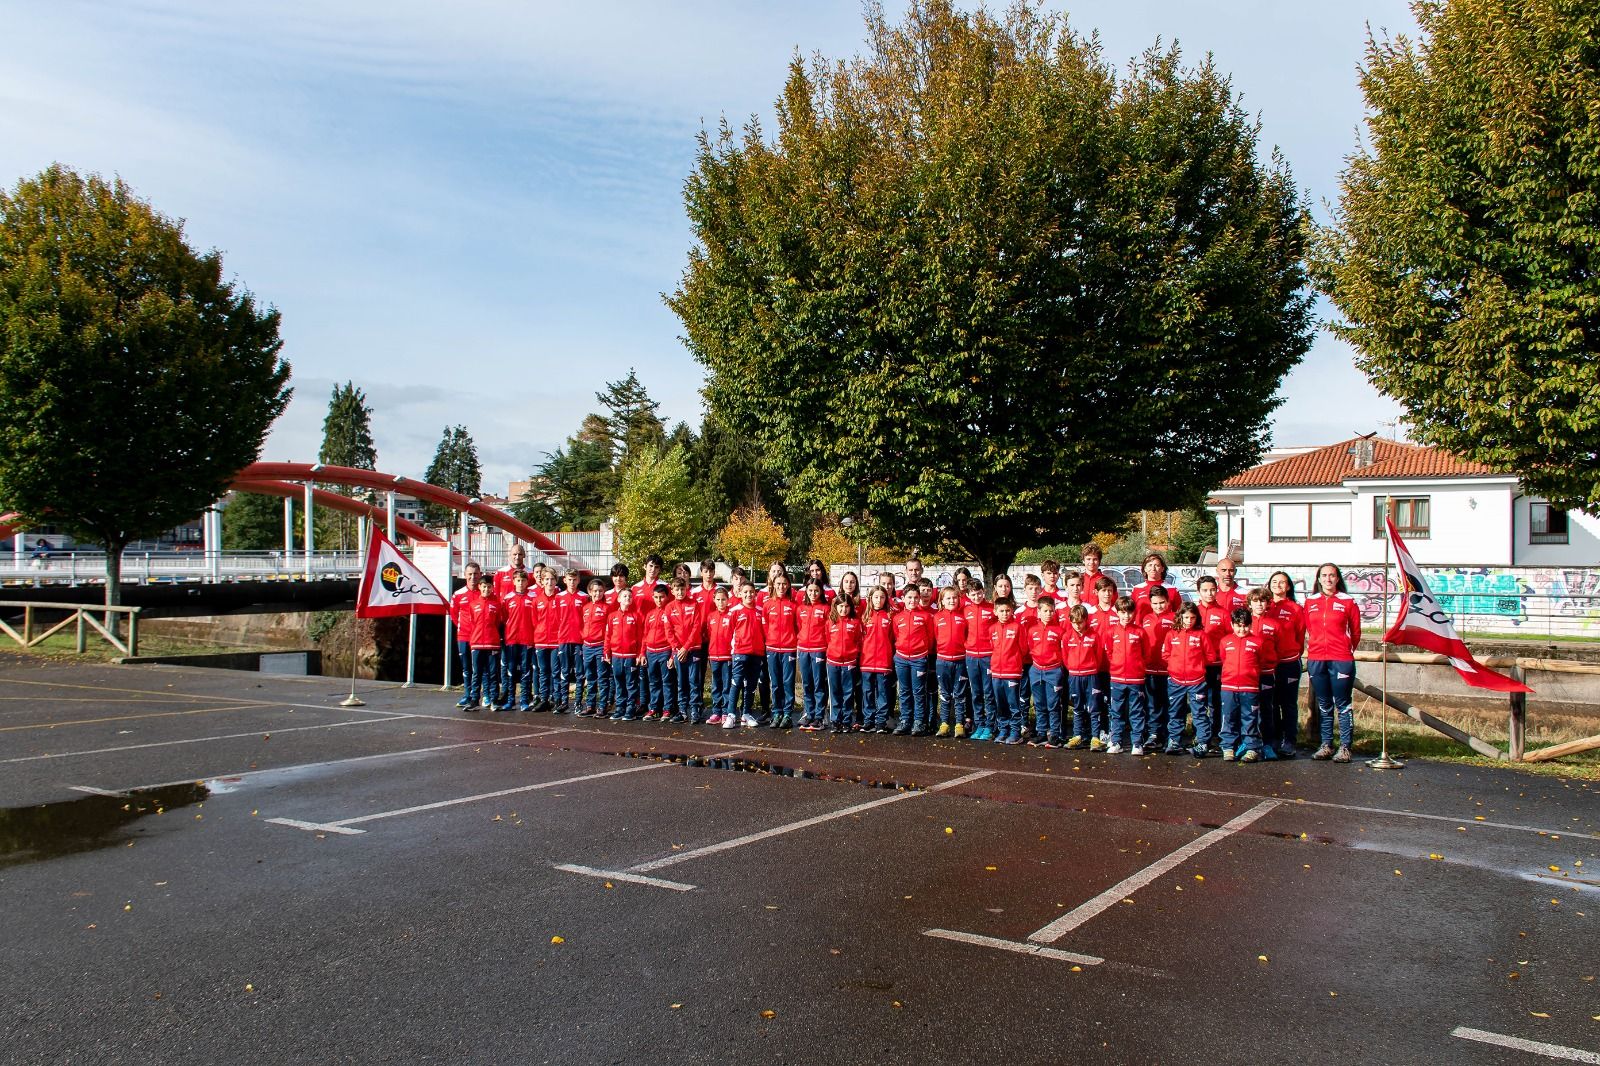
point(1334, 465)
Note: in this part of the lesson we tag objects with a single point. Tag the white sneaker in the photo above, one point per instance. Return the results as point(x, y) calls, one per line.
point(750, 721)
point(729, 721)
point(1138, 750)
point(1113, 748)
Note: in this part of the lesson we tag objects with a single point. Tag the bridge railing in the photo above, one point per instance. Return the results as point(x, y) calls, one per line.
point(84, 617)
point(83, 568)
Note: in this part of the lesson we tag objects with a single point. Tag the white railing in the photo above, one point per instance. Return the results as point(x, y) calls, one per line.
point(89, 568)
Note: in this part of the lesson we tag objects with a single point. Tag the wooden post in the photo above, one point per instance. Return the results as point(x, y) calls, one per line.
point(1516, 735)
point(82, 644)
point(27, 627)
point(133, 632)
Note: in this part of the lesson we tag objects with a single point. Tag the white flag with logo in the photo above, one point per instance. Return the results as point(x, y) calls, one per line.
point(392, 584)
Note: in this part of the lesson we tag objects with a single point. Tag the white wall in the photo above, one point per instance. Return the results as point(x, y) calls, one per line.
point(1583, 539)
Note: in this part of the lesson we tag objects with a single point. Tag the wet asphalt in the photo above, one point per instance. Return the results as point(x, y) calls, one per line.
point(203, 866)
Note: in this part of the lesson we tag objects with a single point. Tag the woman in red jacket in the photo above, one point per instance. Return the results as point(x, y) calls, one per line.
point(1333, 631)
point(1291, 645)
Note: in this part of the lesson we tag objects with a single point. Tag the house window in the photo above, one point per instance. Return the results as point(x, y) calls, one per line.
point(1411, 517)
point(1308, 522)
point(1547, 525)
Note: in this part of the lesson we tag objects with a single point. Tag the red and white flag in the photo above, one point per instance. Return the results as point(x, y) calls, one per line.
point(393, 585)
point(1422, 623)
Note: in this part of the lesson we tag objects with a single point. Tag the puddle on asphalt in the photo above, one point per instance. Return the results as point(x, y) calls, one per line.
point(754, 766)
point(50, 830)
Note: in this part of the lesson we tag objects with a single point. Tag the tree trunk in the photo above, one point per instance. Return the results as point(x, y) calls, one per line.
point(994, 561)
point(114, 571)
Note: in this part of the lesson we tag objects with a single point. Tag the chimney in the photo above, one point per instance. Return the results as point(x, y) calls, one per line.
point(1363, 451)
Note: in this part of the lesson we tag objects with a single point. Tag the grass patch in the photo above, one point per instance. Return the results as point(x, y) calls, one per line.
point(1532, 638)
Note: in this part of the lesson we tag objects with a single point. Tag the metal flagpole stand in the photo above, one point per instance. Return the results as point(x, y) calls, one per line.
point(1383, 761)
point(411, 652)
point(353, 700)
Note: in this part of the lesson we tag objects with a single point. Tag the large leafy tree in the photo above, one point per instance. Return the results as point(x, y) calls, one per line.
point(1462, 255)
point(347, 441)
point(134, 381)
point(455, 467)
point(980, 288)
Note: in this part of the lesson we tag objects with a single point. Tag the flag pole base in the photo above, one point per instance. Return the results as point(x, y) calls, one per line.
point(1384, 762)
point(352, 700)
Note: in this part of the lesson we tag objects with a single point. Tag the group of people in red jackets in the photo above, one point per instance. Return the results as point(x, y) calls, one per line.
point(1069, 661)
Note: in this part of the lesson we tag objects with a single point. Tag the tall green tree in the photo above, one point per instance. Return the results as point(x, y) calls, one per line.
point(134, 381)
point(455, 467)
point(1462, 253)
point(658, 510)
point(631, 417)
point(254, 522)
point(347, 441)
point(980, 288)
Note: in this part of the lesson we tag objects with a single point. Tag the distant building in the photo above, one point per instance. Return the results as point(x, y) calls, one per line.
point(1326, 505)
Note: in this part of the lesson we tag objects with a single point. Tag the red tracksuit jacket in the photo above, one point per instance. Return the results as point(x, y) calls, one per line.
point(1187, 652)
point(686, 622)
point(719, 635)
point(844, 641)
point(749, 630)
point(950, 635)
point(1156, 627)
point(517, 610)
point(1333, 627)
point(624, 635)
point(1292, 638)
point(877, 642)
point(1085, 654)
point(1010, 655)
point(812, 634)
point(980, 627)
point(546, 620)
point(783, 623)
point(1241, 663)
point(1125, 654)
point(657, 633)
point(1044, 645)
point(482, 626)
point(913, 633)
point(569, 616)
point(594, 622)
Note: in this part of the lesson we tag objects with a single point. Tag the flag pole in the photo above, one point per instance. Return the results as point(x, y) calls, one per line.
point(1383, 761)
point(411, 651)
point(353, 700)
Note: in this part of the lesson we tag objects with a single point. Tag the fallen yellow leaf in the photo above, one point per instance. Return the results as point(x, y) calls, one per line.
point(677, 1006)
point(1199, 877)
point(1077, 969)
point(249, 988)
point(1539, 1014)
point(558, 940)
point(949, 829)
point(1261, 958)
point(991, 869)
point(1335, 995)
point(610, 885)
point(1397, 873)
point(1435, 856)
point(769, 1014)
point(898, 1004)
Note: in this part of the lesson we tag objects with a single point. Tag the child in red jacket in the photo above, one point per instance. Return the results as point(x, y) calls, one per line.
point(877, 660)
point(660, 660)
point(1188, 655)
point(719, 654)
point(1242, 657)
point(594, 685)
point(1125, 655)
point(844, 661)
point(950, 650)
point(1159, 619)
point(811, 649)
point(482, 629)
point(517, 609)
point(624, 650)
point(1086, 661)
point(1008, 664)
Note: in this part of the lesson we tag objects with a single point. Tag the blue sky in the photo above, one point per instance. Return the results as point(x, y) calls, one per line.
point(471, 209)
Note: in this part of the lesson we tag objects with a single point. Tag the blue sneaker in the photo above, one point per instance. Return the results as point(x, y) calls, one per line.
point(1269, 753)
point(464, 702)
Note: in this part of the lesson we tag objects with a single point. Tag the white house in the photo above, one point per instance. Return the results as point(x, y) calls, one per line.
point(1326, 505)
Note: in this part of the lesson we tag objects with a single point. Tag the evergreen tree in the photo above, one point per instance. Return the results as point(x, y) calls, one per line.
point(631, 418)
point(455, 467)
point(347, 441)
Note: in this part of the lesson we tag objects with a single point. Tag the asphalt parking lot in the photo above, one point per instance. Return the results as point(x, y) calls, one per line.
point(198, 866)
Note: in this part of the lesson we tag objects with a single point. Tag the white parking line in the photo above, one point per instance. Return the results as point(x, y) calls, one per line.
point(1013, 945)
point(343, 824)
point(623, 875)
point(1098, 905)
point(1532, 1047)
point(632, 872)
point(91, 790)
point(1122, 889)
point(804, 823)
point(198, 740)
